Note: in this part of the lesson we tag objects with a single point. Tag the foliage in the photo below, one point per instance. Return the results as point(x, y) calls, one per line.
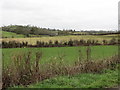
point(27, 30)
point(23, 71)
point(108, 79)
point(14, 44)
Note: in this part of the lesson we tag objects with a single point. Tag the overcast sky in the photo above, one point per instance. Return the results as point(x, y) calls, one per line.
point(61, 14)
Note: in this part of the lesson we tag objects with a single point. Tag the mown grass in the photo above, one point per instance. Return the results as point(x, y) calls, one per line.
point(69, 54)
point(11, 35)
point(33, 40)
point(107, 79)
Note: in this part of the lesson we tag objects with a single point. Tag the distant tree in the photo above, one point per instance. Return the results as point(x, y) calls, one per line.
point(27, 35)
point(70, 42)
point(113, 41)
point(89, 42)
point(76, 43)
point(65, 43)
point(50, 43)
point(82, 42)
point(105, 42)
point(56, 43)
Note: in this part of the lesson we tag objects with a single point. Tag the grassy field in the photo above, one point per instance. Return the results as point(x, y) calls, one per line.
point(11, 34)
point(33, 40)
point(108, 79)
point(69, 54)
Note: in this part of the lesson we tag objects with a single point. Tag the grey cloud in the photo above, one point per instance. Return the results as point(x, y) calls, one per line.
point(76, 14)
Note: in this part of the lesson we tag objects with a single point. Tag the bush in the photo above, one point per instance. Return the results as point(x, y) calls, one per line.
point(22, 71)
point(50, 43)
point(113, 41)
point(56, 43)
point(70, 42)
point(105, 42)
point(82, 42)
point(14, 44)
point(76, 43)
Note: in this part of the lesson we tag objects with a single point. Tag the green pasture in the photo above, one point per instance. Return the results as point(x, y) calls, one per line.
point(68, 54)
point(11, 35)
point(108, 79)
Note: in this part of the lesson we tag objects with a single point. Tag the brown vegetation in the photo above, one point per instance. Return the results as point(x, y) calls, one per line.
point(24, 71)
point(81, 42)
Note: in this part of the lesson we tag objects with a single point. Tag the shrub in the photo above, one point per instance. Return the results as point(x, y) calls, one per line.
point(105, 42)
point(56, 43)
point(76, 43)
point(65, 44)
point(22, 71)
point(14, 44)
point(50, 43)
point(113, 41)
point(89, 42)
point(70, 42)
point(82, 42)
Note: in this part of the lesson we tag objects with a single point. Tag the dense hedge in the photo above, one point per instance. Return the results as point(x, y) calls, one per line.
point(14, 44)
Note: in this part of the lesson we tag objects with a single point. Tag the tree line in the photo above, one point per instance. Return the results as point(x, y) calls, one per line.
point(34, 30)
point(28, 30)
point(81, 42)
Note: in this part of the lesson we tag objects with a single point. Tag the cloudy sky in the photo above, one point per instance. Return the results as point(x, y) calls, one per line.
point(61, 14)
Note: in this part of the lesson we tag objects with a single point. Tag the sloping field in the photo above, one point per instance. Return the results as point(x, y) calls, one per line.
point(11, 35)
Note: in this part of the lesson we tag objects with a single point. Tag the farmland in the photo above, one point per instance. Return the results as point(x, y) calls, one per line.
point(70, 54)
point(11, 35)
point(58, 66)
point(33, 40)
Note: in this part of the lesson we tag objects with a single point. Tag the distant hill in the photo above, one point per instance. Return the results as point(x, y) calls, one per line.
point(27, 30)
point(37, 31)
point(11, 35)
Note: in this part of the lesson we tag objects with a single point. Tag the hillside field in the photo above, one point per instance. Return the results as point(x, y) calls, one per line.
point(11, 35)
point(67, 55)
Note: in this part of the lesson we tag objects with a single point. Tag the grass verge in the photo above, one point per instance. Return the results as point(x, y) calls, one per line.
point(108, 79)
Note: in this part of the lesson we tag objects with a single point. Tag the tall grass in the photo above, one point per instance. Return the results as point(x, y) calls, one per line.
point(24, 71)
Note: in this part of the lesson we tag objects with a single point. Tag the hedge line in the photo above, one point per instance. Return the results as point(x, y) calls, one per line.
point(14, 44)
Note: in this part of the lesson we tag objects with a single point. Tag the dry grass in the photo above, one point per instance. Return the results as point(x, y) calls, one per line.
point(59, 38)
point(22, 70)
